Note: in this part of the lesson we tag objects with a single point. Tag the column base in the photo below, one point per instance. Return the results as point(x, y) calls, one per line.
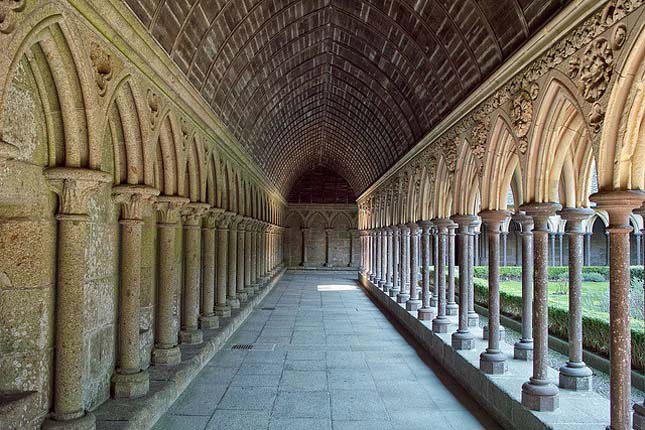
point(440, 324)
point(402, 298)
point(208, 322)
point(192, 336)
point(86, 422)
point(250, 292)
point(576, 376)
point(425, 314)
point(130, 385)
point(166, 356)
point(223, 311)
point(387, 287)
point(413, 305)
point(242, 296)
point(434, 302)
point(502, 332)
point(380, 284)
point(233, 303)
point(473, 319)
point(523, 350)
point(540, 396)
point(452, 309)
point(639, 416)
point(492, 363)
point(393, 292)
point(463, 340)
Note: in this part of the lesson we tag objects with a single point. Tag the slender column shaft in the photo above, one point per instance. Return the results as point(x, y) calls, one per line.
point(74, 188)
point(379, 257)
point(434, 300)
point(473, 317)
point(352, 241)
point(328, 237)
point(413, 303)
point(441, 321)
point(575, 375)
point(222, 309)
point(639, 408)
point(493, 361)
point(403, 294)
point(232, 298)
point(463, 338)
point(248, 247)
point(425, 313)
point(241, 291)
point(539, 393)
point(523, 349)
point(207, 318)
point(254, 256)
point(396, 250)
point(451, 304)
point(389, 259)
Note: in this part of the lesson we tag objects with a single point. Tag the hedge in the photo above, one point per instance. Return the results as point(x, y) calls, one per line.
point(595, 329)
point(560, 273)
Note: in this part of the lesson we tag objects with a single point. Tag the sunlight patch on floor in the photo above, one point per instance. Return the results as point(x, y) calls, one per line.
point(337, 287)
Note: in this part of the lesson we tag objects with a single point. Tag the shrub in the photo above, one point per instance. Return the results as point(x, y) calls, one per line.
point(593, 277)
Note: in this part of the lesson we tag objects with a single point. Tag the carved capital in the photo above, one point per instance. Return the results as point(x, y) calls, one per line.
point(133, 200)
point(74, 187)
point(192, 213)
point(210, 217)
point(224, 220)
point(168, 208)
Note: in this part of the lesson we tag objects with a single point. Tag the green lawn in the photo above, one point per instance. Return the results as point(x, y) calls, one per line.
point(595, 298)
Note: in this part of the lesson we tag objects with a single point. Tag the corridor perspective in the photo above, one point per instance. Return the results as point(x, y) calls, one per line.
point(323, 357)
point(322, 214)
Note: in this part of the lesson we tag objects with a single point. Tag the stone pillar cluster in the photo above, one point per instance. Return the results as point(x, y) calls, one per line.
point(408, 259)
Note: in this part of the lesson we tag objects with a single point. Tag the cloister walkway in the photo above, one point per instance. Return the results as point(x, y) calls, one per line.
point(323, 357)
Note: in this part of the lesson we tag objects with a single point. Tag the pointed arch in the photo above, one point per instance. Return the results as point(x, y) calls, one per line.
point(442, 191)
point(466, 181)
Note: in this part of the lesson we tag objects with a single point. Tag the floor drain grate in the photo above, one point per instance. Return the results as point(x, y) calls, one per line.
point(242, 346)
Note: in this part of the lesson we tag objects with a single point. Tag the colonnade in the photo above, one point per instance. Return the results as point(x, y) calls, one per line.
point(226, 259)
point(388, 261)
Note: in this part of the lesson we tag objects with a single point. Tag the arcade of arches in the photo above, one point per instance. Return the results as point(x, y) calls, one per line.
point(163, 163)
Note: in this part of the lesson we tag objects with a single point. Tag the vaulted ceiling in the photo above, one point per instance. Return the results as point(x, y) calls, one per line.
point(349, 85)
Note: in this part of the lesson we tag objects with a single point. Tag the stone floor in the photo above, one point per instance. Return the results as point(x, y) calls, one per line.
point(323, 357)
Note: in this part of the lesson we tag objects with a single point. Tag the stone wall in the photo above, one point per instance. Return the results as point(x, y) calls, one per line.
point(321, 226)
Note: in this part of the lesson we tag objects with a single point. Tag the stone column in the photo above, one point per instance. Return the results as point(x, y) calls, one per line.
point(441, 322)
point(504, 236)
point(222, 308)
point(434, 300)
point(128, 380)
point(473, 317)
point(263, 248)
point(639, 409)
point(451, 305)
point(425, 313)
point(232, 298)
point(370, 255)
point(328, 232)
point(74, 188)
point(192, 219)
point(305, 236)
point(638, 236)
point(362, 259)
point(619, 205)
point(575, 375)
point(207, 318)
point(389, 259)
point(248, 246)
point(413, 303)
point(463, 339)
point(539, 394)
point(254, 256)
point(493, 360)
point(352, 240)
point(378, 279)
point(166, 351)
point(560, 248)
point(588, 249)
point(476, 248)
point(396, 257)
point(403, 294)
point(523, 349)
point(242, 294)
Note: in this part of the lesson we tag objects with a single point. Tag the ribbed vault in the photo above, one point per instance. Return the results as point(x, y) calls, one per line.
point(348, 84)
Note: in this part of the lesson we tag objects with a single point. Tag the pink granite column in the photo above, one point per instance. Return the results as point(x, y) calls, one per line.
point(463, 338)
point(434, 300)
point(413, 303)
point(404, 267)
point(396, 257)
point(523, 349)
point(426, 312)
point(441, 322)
point(451, 305)
point(473, 317)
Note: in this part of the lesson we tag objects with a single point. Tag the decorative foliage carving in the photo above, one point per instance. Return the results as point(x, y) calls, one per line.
point(596, 70)
point(596, 116)
point(521, 117)
point(450, 154)
point(534, 90)
point(154, 105)
point(619, 37)
point(103, 68)
point(480, 136)
point(185, 132)
point(8, 11)
point(574, 67)
point(133, 200)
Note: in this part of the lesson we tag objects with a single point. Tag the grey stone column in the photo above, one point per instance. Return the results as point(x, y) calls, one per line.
point(129, 380)
point(476, 247)
point(389, 259)
point(166, 350)
point(441, 322)
point(362, 234)
point(523, 349)
point(379, 259)
point(403, 294)
point(370, 254)
point(74, 188)
point(619, 205)
point(263, 239)
point(588, 249)
point(222, 308)
point(328, 232)
point(248, 249)
point(463, 339)
point(638, 236)
point(434, 300)
point(493, 360)
point(426, 312)
point(413, 303)
point(352, 241)
point(504, 236)
point(207, 318)
point(192, 242)
point(242, 294)
point(560, 248)
point(473, 317)
point(539, 394)
point(451, 305)
point(575, 375)
point(396, 257)
point(255, 280)
point(305, 238)
point(232, 298)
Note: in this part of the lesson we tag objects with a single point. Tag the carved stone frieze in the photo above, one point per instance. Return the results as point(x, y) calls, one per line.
point(154, 107)
point(596, 68)
point(103, 67)
point(8, 14)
